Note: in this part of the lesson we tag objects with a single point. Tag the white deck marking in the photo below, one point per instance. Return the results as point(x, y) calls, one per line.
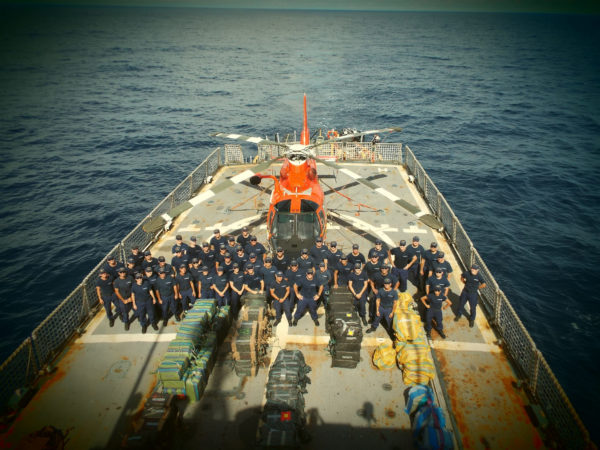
point(242, 176)
point(256, 140)
point(350, 173)
point(225, 228)
point(414, 229)
point(201, 197)
point(387, 194)
point(465, 346)
point(420, 213)
point(379, 231)
point(233, 136)
point(126, 337)
point(167, 217)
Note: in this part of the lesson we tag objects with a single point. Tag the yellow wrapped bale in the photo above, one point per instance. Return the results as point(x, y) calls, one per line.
point(384, 356)
point(405, 302)
point(418, 372)
point(414, 351)
point(407, 326)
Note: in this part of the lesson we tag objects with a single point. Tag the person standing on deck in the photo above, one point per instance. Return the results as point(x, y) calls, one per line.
point(318, 252)
point(106, 296)
point(221, 287)
point(122, 286)
point(403, 260)
point(473, 282)
point(334, 256)
point(293, 275)
point(193, 250)
point(280, 292)
point(253, 282)
point(179, 259)
point(185, 287)
point(308, 292)
point(379, 250)
point(179, 243)
point(137, 256)
point(244, 238)
point(205, 282)
point(268, 271)
point(430, 256)
point(257, 248)
point(387, 298)
point(281, 262)
point(415, 271)
point(162, 264)
point(217, 240)
point(305, 262)
point(441, 263)
point(324, 278)
point(240, 257)
point(342, 272)
point(143, 302)
point(236, 285)
point(358, 282)
point(165, 294)
point(355, 256)
point(435, 302)
point(149, 261)
point(207, 257)
point(112, 267)
point(438, 280)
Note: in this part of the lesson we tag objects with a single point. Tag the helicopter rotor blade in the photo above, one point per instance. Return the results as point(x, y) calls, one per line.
point(164, 221)
point(428, 219)
point(354, 135)
point(251, 139)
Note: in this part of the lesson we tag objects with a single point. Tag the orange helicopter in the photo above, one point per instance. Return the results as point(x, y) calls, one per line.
point(296, 215)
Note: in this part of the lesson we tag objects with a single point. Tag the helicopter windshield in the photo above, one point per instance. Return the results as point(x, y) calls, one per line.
point(302, 225)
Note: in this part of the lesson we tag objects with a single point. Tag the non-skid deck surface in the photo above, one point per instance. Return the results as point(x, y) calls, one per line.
point(103, 379)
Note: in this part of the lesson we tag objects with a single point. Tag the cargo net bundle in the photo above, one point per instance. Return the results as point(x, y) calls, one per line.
point(343, 324)
point(250, 335)
point(283, 420)
point(410, 350)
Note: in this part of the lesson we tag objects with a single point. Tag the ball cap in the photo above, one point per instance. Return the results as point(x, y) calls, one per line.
point(204, 268)
point(231, 239)
point(235, 265)
point(138, 276)
point(220, 269)
point(161, 258)
point(195, 260)
point(475, 266)
point(440, 255)
point(205, 244)
point(434, 244)
point(177, 249)
point(244, 228)
point(178, 237)
point(387, 281)
point(147, 253)
point(193, 238)
point(182, 266)
point(279, 249)
point(310, 272)
point(293, 262)
point(437, 288)
point(319, 239)
point(354, 246)
point(333, 243)
point(148, 269)
point(161, 270)
point(252, 255)
point(304, 251)
point(103, 270)
point(344, 258)
point(416, 239)
point(268, 259)
point(216, 231)
point(253, 238)
point(357, 265)
point(402, 243)
point(279, 274)
point(378, 242)
point(110, 258)
point(249, 266)
point(121, 270)
point(321, 264)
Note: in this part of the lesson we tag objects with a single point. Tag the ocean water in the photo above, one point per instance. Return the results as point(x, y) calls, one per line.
point(103, 111)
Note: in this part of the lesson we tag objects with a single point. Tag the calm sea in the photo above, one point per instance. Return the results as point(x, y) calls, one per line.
point(103, 111)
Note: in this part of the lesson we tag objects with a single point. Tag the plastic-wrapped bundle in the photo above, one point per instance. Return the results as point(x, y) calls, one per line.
point(384, 356)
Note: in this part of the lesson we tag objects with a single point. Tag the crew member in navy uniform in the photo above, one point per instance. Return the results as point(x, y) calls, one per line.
point(220, 254)
point(123, 286)
point(376, 282)
point(162, 264)
point(112, 267)
point(227, 264)
point(435, 302)
point(257, 248)
point(236, 285)
point(357, 284)
point(244, 238)
point(281, 261)
point(473, 281)
point(253, 281)
point(441, 263)
point(355, 256)
point(268, 272)
point(379, 250)
point(293, 276)
point(207, 256)
point(240, 257)
point(333, 256)
point(403, 260)
point(195, 272)
point(179, 243)
point(149, 261)
point(231, 245)
point(130, 267)
point(280, 292)
point(372, 268)
point(437, 279)
point(217, 240)
point(324, 277)
point(387, 298)
point(308, 292)
point(179, 259)
point(150, 276)
point(165, 294)
point(106, 296)
point(185, 288)
point(342, 272)
point(137, 256)
point(193, 250)
point(415, 271)
point(430, 256)
point(205, 282)
point(319, 252)
point(305, 262)
point(143, 302)
point(221, 287)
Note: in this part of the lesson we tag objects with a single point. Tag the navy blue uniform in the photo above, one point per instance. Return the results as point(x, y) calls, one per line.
point(193, 252)
point(237, 279)
point(227, 266)
point(343, 273)
point(195, 272)
point(353, 259)
point(434, 282)
point(319, 254)
point(143, 303)
point(183, 246)
point(381, 254)
point(206, 281)
point(177, 261)
point(305, 263)
point(445, 266)
point(372, 268)
point(123, 287)
point(208, 259)
point(430, 257)
point(253, 281)
point(358, 281)
point(221, 282)
point(281, 263)
point(108, 296)
point(278, 290)
point(414, 270)
point(152, 263)
point(469, 294)
point(324, 278)
point(386, 305)
point(243, 240)
point(401, 258)
point(113, 270)
point(258, 249)
point(165, 287)
point(216, 242)
point(434, 312)
point(293, 278)
point(333, 258)
point(241, 259)
point(268, 274)
point(184, 283)
point(308, 289)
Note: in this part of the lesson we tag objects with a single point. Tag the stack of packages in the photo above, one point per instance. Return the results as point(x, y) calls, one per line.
point(159, 418)
point(190, 356)
point(283, 419)
point(345, 328)
point(427, 420)
point(249, 340)
point(413, 353)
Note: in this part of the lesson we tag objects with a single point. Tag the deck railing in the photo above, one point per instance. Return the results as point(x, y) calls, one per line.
point(49, 338)
point(35, 353)
point(527, 359)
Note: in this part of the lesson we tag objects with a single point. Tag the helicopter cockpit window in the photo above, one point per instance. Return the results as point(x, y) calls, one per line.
point(307, 226)
point(284, 226)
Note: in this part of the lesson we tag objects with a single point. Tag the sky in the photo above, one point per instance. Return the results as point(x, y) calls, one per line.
point(544, 6)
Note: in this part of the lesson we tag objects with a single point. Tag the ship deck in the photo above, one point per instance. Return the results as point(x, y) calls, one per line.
point(102, 379)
